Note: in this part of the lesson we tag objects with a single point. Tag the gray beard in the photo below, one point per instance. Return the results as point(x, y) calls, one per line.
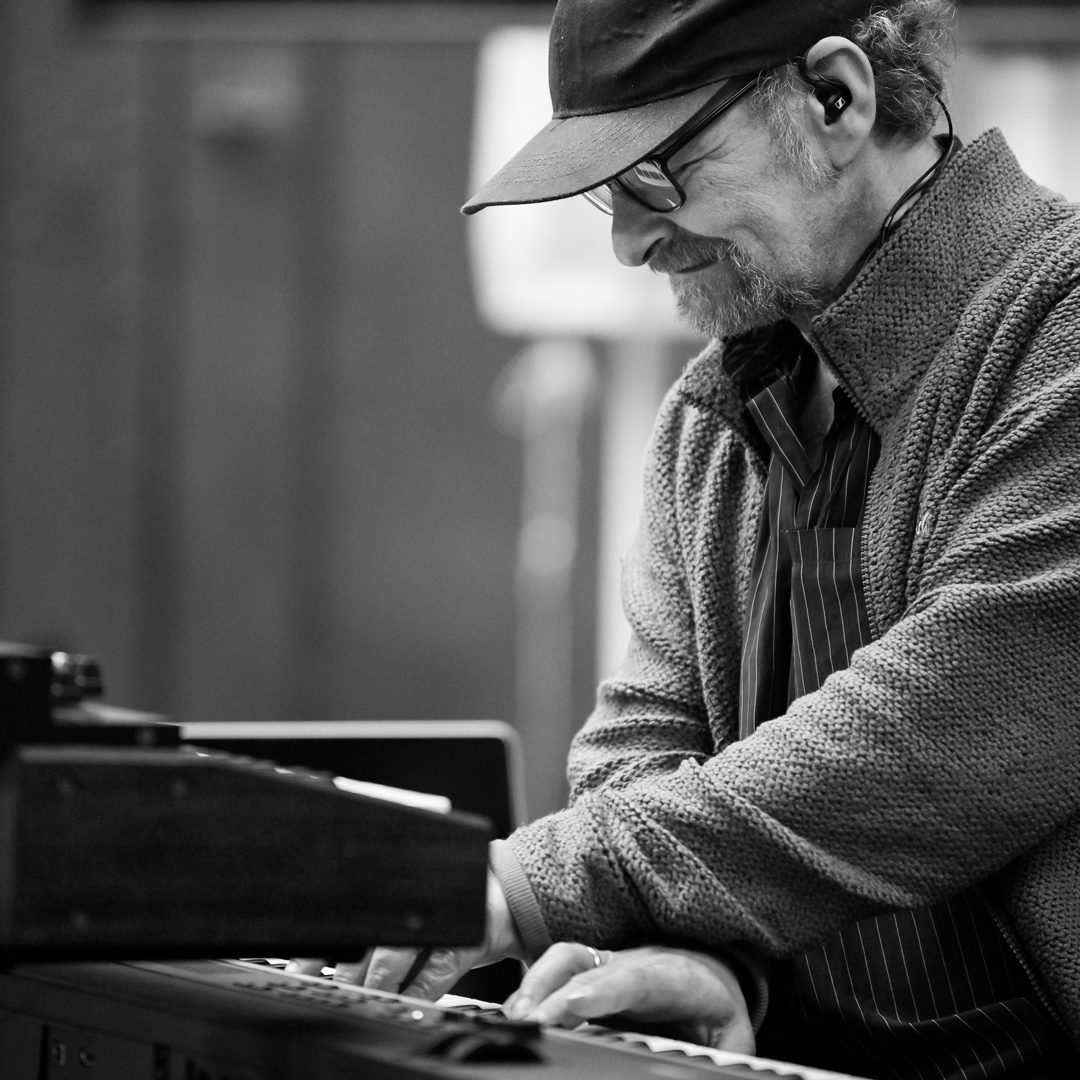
point(746, 298)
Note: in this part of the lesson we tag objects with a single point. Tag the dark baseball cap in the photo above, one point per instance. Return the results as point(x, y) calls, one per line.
point(625, 74)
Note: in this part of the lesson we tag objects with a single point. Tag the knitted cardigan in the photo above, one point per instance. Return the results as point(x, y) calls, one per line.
point(947, 755)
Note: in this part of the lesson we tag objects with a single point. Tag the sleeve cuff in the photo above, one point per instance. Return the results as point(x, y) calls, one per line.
point(753, 975)
point(521, 899)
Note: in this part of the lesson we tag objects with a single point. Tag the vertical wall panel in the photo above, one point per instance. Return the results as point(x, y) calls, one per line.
point(240, 336)
point(163, 172)
point(67, 319)
point(310, 388)
point(425, 517)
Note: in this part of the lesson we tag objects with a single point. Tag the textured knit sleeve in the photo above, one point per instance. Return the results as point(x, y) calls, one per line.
point(659, 709)
point(652, 714)
point(947, 749)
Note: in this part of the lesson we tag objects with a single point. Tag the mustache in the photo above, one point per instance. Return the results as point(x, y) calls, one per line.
point(747, 295)
point(686, 249)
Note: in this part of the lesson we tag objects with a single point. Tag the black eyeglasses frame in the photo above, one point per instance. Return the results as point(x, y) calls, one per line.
point(659, 158)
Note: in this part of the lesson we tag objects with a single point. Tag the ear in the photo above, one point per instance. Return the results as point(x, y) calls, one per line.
point(835, 65)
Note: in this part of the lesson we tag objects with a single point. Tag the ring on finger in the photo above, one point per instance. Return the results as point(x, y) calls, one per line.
point(598, 960)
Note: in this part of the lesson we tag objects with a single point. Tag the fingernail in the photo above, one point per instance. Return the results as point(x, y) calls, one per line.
point(545, 1014)
point(518, 1008)
point(579, 995)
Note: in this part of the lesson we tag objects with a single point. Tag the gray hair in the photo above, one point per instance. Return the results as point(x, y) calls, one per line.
point(907, 44)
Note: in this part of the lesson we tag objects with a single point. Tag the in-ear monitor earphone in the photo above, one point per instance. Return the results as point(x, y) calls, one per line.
point(834, 97)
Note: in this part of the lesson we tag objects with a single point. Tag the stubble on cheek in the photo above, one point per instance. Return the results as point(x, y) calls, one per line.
point(734, 294)
point(705, 297)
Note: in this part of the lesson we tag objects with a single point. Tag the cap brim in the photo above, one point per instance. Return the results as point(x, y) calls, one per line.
point(573, 155)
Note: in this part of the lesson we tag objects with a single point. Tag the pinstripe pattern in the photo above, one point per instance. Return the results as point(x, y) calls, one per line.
point(808, 547)
point(931, 994)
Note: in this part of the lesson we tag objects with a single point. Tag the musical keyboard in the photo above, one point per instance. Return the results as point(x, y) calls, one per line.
point(238, 1020)
point(110, 852)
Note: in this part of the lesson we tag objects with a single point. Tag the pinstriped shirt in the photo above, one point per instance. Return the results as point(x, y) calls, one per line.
point(930, 994)
point(808, 547)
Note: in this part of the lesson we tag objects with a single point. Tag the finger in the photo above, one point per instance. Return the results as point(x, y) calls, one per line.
point(388, 967)
point(591, 994)
point(353, 971)
point(561, 963)
point(443, 969)
point(642, 985)
point(737, 1037)
point(305, 965)
point(665, 986)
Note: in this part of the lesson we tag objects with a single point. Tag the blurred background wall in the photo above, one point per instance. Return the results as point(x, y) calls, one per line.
point(255, 446)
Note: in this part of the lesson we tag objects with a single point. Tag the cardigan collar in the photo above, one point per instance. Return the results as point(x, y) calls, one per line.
point(881, 335)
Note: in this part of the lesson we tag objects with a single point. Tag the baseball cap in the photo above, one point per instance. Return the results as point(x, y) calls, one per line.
point(625, 74)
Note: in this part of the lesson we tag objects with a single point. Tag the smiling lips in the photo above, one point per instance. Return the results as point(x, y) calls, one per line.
point(685, 256)
point(662, 265)
point(695, 267)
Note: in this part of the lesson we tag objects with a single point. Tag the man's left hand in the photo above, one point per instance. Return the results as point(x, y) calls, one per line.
point(694, 991)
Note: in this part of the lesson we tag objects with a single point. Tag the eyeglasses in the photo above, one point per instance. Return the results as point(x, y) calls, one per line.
point(650, 181)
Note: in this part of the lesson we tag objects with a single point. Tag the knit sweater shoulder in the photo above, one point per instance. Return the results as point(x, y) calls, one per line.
point(947, 755)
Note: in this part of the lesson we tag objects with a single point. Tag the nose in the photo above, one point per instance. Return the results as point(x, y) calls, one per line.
point(636, 231)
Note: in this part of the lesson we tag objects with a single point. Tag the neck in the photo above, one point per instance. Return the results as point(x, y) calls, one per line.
point(875, 187)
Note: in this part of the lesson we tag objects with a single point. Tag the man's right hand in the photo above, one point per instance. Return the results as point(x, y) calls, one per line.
point(388, 968)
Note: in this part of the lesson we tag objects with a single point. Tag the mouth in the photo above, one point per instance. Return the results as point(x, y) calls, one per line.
point(685, 254)
point(672, 263)
point(693, 268)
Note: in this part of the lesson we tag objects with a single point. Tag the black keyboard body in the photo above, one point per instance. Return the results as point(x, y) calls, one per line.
point(231, 1020)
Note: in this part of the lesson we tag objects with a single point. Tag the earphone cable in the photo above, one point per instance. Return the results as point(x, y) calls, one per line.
point(925, 181)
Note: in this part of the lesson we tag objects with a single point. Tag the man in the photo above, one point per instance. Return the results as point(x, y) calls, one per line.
point(832, 795)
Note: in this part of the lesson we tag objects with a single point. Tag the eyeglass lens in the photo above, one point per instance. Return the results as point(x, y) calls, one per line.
point(646, 182)
point(651, 185)
point(600, 197)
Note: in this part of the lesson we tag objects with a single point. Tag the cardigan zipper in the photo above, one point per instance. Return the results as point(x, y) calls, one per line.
point(1007, 934)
